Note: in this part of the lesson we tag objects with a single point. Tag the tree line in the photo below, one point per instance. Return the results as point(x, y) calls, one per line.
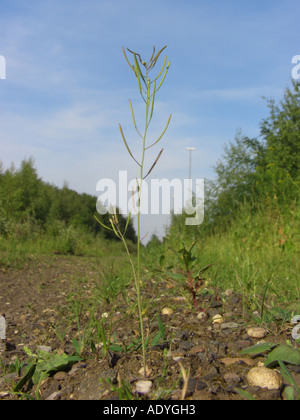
point(24, 196)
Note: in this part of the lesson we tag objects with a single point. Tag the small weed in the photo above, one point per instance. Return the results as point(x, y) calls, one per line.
point(122, 388)
point(41, 365)
point(194, 281)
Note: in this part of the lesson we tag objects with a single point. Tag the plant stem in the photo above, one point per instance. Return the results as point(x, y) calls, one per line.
point(139, 281)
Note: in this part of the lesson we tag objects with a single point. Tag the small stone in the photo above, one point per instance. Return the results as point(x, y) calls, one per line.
point(228, 292)
point(60, 376)
point(217, 319)
point(143, 387)
point(76, 367)
point(186, 345)
point(264, 378)
point(232, 378)
point(216, 304)
point(256, 314)
point(234, 300)
point(55, 396)
point(202, 316)
point(167, 311)
point(196, 349)
point(257, 332)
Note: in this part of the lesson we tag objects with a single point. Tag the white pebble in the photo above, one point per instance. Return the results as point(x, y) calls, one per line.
point(202, 316)
point(143, 387)
point(217, 319)
point(257, 332)
point(264, 378)
point(167, 311)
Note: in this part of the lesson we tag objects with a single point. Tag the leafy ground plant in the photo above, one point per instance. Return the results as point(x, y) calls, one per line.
point(193, 276)
point(43, 364)
point(148, 89)
point(279, 355)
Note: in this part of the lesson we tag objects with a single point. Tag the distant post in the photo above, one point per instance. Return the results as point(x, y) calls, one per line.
point(2, 67)
point(190, 150)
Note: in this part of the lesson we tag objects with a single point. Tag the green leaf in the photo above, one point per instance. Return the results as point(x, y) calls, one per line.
point(202, 270)
point(258, 348)
point(76, 346)
point(116, 348)
point(161, 327)
point(289, 393)
point(176, 276)
point(245, 394)
point(156, 339)
point(28, 375)
point(287, 376)
point(285, 354)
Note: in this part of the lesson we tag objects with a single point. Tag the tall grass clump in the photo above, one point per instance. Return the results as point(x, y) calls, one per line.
point(148, 89)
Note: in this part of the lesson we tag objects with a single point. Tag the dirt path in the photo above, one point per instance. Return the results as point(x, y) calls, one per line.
point(36, 302)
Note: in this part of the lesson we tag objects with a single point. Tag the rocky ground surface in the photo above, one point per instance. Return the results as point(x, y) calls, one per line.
point(198, 358)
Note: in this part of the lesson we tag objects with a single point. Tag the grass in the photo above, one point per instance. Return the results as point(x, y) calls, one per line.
point(258, 257)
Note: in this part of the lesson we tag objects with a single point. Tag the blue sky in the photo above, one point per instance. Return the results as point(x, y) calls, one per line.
point(67, 84)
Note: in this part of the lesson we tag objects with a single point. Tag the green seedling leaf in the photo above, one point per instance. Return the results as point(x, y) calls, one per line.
point(287, 376)
point(116, 348)
point(156, 339)
point(27, 376)
point(76, 346)
point(245, 394)
point(285, 354)
point(258, 348)
point(202, 270)
point(176, 276)
point(161, 327)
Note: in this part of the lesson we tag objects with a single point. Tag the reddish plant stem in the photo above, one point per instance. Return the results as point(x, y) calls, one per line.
point(191, 287)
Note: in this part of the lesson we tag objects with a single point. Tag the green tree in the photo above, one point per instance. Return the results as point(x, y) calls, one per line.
point(278, 165)
point(234, 182)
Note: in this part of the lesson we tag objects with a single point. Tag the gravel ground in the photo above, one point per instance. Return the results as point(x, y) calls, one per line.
point(204, 345)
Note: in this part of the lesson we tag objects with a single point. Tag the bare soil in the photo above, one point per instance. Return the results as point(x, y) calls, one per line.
point(36, 302)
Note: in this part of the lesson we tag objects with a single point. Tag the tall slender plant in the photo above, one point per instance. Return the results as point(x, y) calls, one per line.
point(148, 88)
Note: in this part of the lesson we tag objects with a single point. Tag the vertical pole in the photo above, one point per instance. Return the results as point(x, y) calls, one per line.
point(190, 150)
